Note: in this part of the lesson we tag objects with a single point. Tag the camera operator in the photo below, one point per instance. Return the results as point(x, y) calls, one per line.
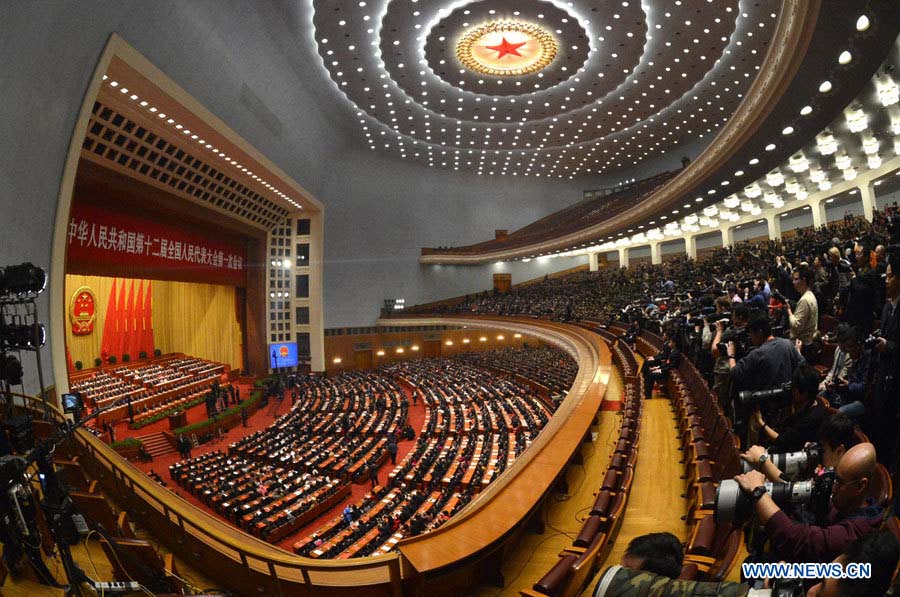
point(851, 516)
point(836, 435)
point(657, 368)
point(769, 365)
point(804, 417)
point(805, 320)
point(878, 549)
point(886, 364)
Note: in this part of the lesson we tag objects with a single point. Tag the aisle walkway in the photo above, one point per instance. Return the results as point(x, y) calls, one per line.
point(655, 503)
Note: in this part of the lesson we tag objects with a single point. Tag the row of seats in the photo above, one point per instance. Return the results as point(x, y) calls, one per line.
point(578, 563)
point(545, 365)
point(265, 501)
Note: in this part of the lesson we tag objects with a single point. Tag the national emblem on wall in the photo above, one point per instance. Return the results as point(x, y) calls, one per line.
point(83, 311)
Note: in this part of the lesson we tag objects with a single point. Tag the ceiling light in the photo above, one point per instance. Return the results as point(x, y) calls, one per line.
point(888, 91)
point(787, 130)
point(798, 162)
point(874, 161)
point(824, 185)
point(752, 191)
point(870, 145)
point(826, 143)
point(791, 186)
point(856, 119)
point(850, 173)
point(816, 175)
point(825, 87)
point(862, 23)
point(806, 110)
point(775, 178)
point(842, 161)
point(845, 57)
point(731, 201)
point(770, 147)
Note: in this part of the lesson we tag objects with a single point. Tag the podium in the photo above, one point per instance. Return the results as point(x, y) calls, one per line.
point(177, 419)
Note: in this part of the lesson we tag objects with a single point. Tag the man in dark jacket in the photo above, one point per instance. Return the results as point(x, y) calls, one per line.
point(851, 516)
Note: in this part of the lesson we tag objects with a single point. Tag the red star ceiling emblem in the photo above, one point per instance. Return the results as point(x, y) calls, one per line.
point(505, 48)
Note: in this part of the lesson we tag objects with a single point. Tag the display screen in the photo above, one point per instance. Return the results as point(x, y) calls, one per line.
point(283, 354)
point(72, 403)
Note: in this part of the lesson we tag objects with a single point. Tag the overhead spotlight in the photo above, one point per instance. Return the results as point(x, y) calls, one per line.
point(826, 143)
point(23, 337)
point(888, 91)
point(22, 280)
point(798, 162)
point(862, 23)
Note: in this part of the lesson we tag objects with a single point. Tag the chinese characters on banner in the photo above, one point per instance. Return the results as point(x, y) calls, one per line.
point(100, 237)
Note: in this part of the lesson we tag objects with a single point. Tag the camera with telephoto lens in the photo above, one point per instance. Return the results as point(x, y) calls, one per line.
point(794, 465)
point(735, 506)
point(780, 395)
point(870, 342)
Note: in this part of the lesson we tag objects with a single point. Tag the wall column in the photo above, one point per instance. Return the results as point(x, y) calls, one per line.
point(594, 261)
point(656, 252)
point(774, 224)
point(867, 194)
point(690, 246)
point(727, 235)
point(818, 213)
point(623, 257)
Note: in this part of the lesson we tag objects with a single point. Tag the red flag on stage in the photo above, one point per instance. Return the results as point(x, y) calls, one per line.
point(137, 336)
point(128, 346)
point(108, 344)
point(69, 362)
point(148, 321)
point(120, 323)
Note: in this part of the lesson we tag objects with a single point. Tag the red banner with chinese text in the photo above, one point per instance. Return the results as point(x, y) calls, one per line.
point(110, 243)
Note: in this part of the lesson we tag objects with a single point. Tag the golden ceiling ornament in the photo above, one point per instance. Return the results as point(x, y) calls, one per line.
point(506, 49)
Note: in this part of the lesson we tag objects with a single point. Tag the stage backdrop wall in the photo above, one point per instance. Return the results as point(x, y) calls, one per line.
point(196, 319)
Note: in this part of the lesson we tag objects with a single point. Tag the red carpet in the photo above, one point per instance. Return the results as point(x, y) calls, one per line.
point(262, 419)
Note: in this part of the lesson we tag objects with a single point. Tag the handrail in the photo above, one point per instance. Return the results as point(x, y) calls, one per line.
point(254, 565)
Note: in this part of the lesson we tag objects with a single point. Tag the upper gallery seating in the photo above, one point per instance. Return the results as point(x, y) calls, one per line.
point(570, 219)
point(545, 365)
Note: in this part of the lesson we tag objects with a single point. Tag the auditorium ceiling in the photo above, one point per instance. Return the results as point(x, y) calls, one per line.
point(541, 88)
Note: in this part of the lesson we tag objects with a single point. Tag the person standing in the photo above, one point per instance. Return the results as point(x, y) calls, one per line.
point(392, 449)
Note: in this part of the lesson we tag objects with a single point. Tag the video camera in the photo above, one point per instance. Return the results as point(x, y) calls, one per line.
point(741, 339)
point(795, 465)
point(735, 506)
point(780, 396)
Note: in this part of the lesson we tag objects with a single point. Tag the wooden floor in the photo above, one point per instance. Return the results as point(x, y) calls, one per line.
point(95, 564)
point(655, 503)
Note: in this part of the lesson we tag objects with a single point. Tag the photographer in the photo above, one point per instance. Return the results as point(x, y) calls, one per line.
point(851, 516)
point(840, 363)
point(805, 320)
point(886, 363)
point(848, 393)
point(804, 418)
point(836, 435)
point(863, 291)
point(659, 553)
point(769, 365)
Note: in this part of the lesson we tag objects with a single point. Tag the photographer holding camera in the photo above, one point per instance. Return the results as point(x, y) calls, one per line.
point(851, 514)
point(770, 365)
point(836, 435)
point(805, 415)
point(863, 291)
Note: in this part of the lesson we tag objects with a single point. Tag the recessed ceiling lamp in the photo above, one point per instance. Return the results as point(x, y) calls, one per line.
point(862, 23)
point(806, 110)
point(845, 57)
point(788, 130)
point(825, 87)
